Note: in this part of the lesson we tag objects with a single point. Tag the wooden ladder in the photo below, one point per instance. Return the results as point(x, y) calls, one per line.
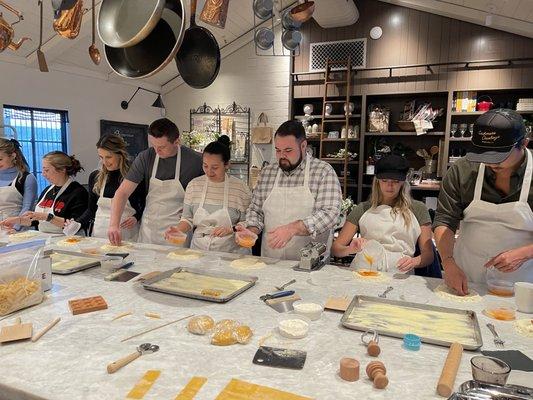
point(327, 120)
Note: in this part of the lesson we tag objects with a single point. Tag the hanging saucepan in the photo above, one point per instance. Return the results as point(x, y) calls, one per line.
point(198, 58)
point(126, 23)
point(152, 54)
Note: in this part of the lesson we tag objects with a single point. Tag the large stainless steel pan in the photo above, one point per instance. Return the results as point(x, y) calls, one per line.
point(125, 23)
point(152, 54)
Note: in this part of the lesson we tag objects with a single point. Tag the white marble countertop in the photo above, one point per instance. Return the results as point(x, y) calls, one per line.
point(69, 362)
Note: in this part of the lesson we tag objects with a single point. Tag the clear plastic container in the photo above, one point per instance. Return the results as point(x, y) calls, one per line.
point(245, 238)
point(177, 238)
point(112, 262)
point(498, 284)
point(71, 228)
point(371, 260)
point(313, 311)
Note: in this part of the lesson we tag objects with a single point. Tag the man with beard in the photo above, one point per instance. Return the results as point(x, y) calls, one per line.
point(296, 201)
point(489, 193)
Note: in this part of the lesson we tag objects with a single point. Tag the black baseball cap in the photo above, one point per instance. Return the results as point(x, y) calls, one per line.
point(495, 134)
point(392, 167)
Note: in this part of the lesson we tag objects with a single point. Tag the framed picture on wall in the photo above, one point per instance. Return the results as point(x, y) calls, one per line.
point(135, 135)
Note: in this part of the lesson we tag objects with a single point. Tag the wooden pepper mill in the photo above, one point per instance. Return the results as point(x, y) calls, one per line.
point(376, 372)
point(371, 339)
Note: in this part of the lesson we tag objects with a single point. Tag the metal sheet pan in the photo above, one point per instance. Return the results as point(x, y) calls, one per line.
point(249, 280)
point(83, 262)
point(471, 339)
point(474, 390)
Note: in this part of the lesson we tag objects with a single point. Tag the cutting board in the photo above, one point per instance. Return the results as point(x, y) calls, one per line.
point(18, 331)
point(280, 358)
point(86, 305)
point(337, 304)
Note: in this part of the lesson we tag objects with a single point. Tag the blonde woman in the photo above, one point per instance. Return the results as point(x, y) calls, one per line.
point(390, 217)
point(18, 188)
point(63, 199)
point(103, 184)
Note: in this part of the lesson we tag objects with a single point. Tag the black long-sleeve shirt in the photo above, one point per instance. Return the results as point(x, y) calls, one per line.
point(71, 204)
point(114, 179)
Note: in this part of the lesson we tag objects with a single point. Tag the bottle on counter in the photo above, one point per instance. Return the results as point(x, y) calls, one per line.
point(370, 166)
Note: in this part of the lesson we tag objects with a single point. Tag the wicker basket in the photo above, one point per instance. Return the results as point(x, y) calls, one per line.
point(406, 126)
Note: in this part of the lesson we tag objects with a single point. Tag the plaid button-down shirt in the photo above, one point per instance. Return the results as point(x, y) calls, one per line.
point(323, 183)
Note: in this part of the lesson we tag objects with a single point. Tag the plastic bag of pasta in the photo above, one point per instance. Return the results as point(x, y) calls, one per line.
point(20, 276)
point(228, 331)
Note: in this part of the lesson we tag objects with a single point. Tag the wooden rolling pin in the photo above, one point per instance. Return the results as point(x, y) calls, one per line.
point(45, 329)
point(449, 371)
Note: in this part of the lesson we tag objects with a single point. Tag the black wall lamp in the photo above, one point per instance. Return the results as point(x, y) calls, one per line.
point(157, 103)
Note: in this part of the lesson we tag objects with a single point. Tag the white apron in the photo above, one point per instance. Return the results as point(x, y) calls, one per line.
point(164, 205)
point(10, 200)
point(488, 229)
point(390, 230)
point(204, 222)
point(285, 205)
point(103, 217)
point(45, 226)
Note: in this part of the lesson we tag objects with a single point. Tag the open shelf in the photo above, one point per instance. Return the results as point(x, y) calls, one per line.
point(403, 134)
point(340, 140)
point(460, 139)
point(338, 161)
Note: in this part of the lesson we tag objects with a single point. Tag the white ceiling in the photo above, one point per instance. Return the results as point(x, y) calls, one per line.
point(72, 56)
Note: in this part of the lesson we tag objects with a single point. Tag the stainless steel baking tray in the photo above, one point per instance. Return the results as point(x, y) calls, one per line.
point(474, 390)
point(248, 282)
point(436, 325)
point(79, 261)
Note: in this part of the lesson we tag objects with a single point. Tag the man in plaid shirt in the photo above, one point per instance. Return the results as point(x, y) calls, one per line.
point(295, 201)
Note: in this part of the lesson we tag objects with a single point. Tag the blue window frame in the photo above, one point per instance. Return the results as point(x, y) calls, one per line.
point(39, 131)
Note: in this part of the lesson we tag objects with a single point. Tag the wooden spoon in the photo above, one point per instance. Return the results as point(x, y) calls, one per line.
point(433, 150)
point(41, 59)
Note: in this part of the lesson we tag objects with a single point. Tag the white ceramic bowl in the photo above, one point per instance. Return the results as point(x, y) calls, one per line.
point(313, 311)
point(293, 326)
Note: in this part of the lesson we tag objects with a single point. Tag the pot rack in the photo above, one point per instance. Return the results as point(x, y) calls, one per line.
point(472, 64)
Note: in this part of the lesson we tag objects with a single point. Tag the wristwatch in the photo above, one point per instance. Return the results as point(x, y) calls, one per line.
point(49, 217)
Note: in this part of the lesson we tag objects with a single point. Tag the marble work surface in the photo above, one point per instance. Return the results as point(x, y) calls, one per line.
point(69, 362)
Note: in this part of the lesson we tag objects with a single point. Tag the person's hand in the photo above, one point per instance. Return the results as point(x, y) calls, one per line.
point(10, 222)
point(279, 237)
point(508, 261)
point(172, 230)
point(220, 231)
point(406, 264)
point(114, 235)
point(128, 223)
point(35, 216)
point(240, 227)
point(455, 278)
point(356, 245)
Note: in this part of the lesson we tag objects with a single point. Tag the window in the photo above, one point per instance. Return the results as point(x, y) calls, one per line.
point(39, 131)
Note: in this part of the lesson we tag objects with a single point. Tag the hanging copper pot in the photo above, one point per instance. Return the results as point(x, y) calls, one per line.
point(303, 12)
point(68, 23)
point(215, 13)
point(7, 33)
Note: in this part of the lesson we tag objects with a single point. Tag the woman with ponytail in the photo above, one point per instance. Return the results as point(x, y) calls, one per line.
point(18, 188)
point(103, 184)
point(63, 199)
point(214, 202)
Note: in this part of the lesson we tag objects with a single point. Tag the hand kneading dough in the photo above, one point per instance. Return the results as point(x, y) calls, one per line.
point(125, 246)
point(185, 255)
point(247, 263)
point(201, 324)
point(449, 294)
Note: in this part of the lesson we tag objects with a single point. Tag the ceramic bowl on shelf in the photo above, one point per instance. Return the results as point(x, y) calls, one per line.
point(308, 109)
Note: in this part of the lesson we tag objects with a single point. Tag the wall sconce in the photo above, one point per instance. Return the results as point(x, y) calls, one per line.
point(158, 103)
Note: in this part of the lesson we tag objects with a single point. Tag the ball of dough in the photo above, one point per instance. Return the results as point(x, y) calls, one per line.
point(201, 324)
point(223, 337)
point(226, 324)
point(243, 334)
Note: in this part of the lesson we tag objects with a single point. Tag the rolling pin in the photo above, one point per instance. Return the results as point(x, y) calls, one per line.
point(449, 371)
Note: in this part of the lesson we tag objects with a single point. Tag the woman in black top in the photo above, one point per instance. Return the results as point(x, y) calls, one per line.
point(103, 184)
point(63, 199)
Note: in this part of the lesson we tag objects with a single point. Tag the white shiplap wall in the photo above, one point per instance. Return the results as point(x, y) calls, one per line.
point(261, 83)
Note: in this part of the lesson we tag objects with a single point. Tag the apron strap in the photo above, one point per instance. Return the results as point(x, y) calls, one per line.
point(45, 193)
point(307, 167)
point(526, 183)
point(479, 182)
point(204, 193)
point(226, 192)
point(104, 182)
point(156, 164)
point(178, 164)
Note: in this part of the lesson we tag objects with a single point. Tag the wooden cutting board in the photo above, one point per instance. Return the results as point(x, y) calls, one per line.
point(18, 331)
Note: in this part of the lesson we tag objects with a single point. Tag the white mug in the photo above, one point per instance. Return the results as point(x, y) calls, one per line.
point(523, 294)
